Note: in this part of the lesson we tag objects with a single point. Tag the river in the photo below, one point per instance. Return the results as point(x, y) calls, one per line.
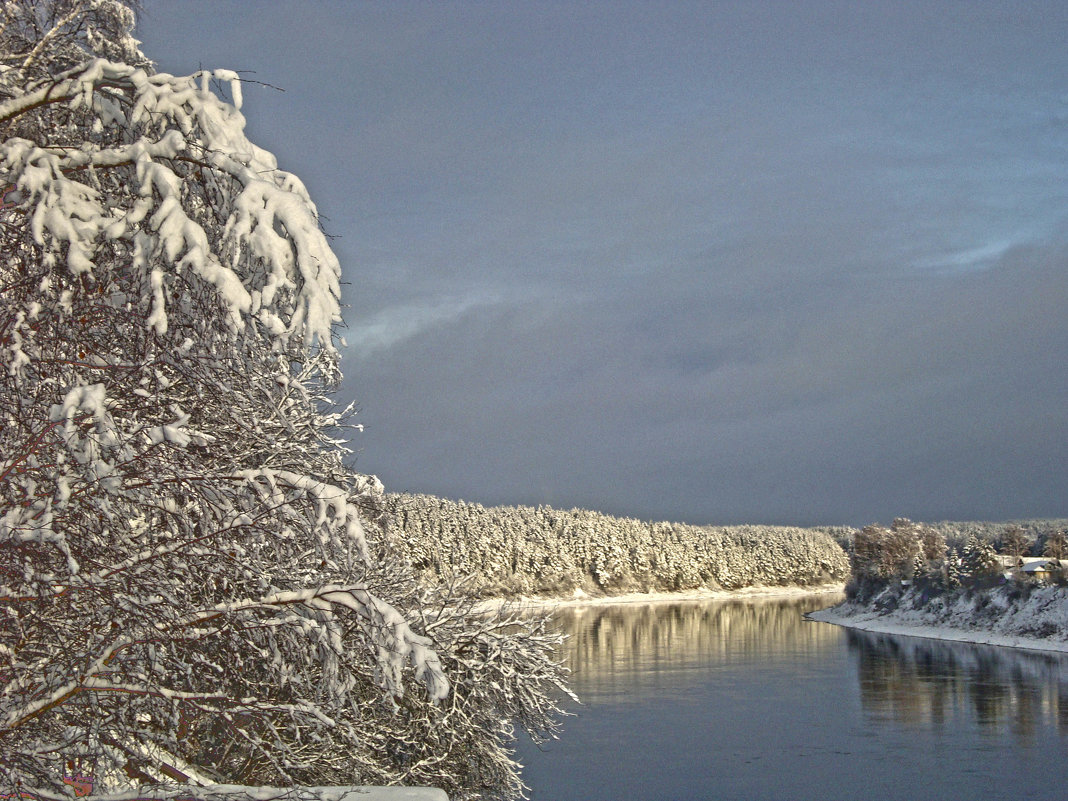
point(747, 700)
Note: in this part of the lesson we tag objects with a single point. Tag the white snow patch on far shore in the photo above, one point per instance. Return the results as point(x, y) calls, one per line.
point(703, 594)
point(1036, 621)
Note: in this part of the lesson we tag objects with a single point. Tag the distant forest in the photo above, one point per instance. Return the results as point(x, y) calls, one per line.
point(1026, 537)
point(1002, 537)
point(522, 550)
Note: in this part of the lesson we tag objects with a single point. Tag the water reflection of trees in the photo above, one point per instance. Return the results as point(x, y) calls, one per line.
point(928, 683)
point(644, 641)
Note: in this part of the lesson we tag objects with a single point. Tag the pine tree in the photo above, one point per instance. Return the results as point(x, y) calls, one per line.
point(919, 567)
point(979, 560)
point(953, 569)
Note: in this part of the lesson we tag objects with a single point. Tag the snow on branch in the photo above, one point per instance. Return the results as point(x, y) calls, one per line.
point(397, 643)
point(233, 792)
point(333, 510)
point(256, 239)
point(187, 578)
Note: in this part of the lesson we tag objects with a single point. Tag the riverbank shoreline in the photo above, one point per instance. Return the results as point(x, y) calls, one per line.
point(583, 599)
point(878, 623)
point(874, 622)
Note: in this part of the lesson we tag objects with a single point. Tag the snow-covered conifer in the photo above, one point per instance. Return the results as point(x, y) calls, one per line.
point(953, 569)
point(555, 552)
point(919, 566)
point(978, 560)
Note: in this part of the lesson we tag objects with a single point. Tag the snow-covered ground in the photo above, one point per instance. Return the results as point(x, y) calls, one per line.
point(580, 598)
point(234, 792)
point(1035, 620)
point(351, 794)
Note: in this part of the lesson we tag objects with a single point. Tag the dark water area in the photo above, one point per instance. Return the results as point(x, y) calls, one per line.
point(748, 700)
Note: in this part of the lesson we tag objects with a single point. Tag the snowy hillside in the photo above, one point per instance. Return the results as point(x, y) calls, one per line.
point(906, 579)
point(1024, 617)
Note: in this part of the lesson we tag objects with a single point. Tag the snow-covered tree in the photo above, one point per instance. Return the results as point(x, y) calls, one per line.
point(932, 543)
point(919, 566)
point(191, 584)
point(512, 550)
point(1015, 541)
point(979, 560)
point(953, 569)
point(1056, 544)
point(42, 37)
point(883, 554)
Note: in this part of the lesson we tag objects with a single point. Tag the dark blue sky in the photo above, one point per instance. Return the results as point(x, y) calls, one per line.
point(714, 261)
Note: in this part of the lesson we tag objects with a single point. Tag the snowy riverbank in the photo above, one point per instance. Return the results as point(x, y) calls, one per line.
point(580, 598)
point(1034, 618)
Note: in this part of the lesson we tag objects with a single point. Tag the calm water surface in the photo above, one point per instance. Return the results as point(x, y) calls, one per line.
point(746, 700)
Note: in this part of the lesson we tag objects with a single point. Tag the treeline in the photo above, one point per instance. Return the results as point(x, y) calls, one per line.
point(920, 557)
point(522, 550)
point(1003, 537)
point(1019, 537)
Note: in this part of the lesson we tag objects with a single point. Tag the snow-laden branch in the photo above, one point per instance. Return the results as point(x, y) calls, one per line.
point(79, 83)
point(187, 571)
point(333, 510)
point(398, 643)
point(233, 792)
point(269, 242)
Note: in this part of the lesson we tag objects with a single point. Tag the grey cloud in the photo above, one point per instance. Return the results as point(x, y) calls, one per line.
point(709, 261)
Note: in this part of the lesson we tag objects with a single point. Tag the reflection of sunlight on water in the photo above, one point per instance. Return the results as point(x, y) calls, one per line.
point(744, 699)
point(623, 648)
point(625, 651)
point(932, 684)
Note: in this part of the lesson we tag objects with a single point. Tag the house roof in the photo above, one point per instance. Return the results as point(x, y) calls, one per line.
point(1038, 566)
